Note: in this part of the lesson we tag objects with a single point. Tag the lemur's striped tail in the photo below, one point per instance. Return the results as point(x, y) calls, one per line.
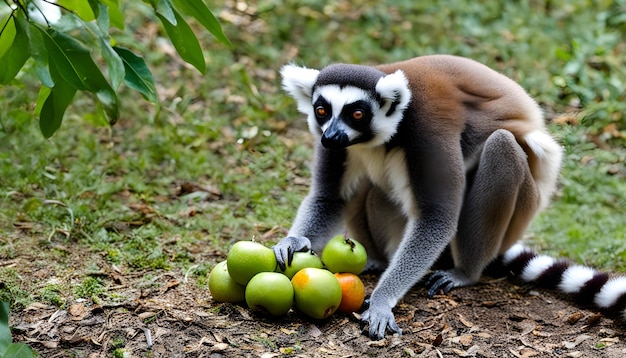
point(585, 285)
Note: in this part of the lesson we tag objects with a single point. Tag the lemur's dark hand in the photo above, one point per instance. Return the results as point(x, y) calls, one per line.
point(285, 249)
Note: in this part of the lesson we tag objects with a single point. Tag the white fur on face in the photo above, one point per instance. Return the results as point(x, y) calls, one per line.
point(338, 98)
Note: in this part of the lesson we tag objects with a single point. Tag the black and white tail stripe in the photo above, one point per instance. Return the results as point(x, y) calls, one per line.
point(586, 285)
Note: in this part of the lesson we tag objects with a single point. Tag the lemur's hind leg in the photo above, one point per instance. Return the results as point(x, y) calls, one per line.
point(500, 200)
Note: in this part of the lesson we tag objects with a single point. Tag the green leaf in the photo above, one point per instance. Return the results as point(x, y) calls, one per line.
point(19, 350)
point(112, 59)
point(74, 65)
point(164, 8)
point(16, 55)
point(103, 20)
point(204, 16)
point(44, 92)
point(54, 106)
point(71, 60)
point(108, 98)
point(6, 40)
point(138, 76)
point(5, 331)
point(40, 55)
point(184, 41)
point(115, 64)
point(94, 5)
point(81, 8)
point(115, 15)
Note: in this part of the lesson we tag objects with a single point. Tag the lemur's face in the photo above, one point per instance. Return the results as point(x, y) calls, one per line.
point(349, 104)
point(343, 116)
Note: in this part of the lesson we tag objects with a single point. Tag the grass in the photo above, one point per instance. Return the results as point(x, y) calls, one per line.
point(93, 197)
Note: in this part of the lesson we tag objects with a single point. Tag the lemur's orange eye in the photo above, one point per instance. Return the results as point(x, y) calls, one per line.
point(357, 115)
point(320, 111)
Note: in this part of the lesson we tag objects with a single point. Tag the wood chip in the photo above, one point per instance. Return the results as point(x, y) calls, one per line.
point(314, 331)
point(469, 353)
point(517, 317)
point(148, 335)
point(577, 341)
point(438, 340)
point(220, 346)
point(526, 326)
point(610, 341)
point(575, 317)
point(528, 352)
point(244, 312)
point(466, 339)
point(37, 306)
point(538, 333)
point(606, 332)
point(593, 319)
point(78, 311)
point(381, 343)
point(169, 285)
point(145, 315)
point(465, 322)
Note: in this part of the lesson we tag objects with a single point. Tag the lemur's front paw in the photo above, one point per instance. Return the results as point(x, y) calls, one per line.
point(379, 318)
point(286, 247)
point(446, 281)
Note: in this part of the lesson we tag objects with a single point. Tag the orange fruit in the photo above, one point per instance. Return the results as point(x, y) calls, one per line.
point(352, 292)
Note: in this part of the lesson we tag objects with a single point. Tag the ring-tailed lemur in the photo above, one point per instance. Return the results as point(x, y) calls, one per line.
point(416, 156)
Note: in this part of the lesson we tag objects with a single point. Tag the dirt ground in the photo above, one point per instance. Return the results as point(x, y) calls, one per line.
point(493, 319)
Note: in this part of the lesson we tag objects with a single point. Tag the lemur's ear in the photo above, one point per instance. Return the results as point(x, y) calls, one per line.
point(298, 82)
point(394, 90)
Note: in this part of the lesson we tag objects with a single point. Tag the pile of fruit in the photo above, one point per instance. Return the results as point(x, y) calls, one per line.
point(316, 287)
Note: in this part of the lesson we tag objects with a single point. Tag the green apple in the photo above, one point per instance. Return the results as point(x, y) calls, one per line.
point(302, 260)
point(342, 254)
point(247, 258)
point(222, 287)
point(317, 292)
point(270, 292)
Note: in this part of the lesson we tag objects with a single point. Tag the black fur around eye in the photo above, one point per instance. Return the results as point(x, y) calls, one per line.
point(358, 113)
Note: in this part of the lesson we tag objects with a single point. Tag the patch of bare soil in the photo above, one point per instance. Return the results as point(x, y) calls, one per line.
point(493, 319)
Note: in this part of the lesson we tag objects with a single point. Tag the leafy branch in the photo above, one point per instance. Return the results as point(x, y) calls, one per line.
point(41, 30)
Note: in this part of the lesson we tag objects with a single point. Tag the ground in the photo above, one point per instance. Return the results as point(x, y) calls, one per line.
point(495, 318)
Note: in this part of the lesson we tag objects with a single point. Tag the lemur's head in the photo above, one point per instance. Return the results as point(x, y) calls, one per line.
point(349, 104)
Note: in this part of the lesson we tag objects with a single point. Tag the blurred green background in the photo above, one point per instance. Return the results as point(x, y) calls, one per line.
point(225, 156)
